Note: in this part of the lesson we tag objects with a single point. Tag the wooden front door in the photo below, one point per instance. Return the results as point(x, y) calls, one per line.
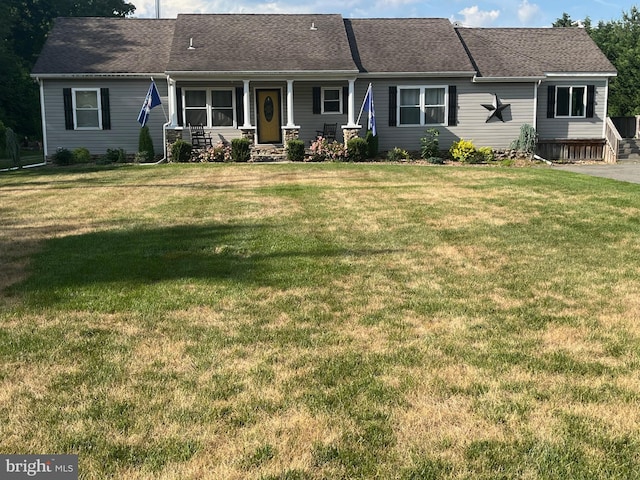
point(268, 113)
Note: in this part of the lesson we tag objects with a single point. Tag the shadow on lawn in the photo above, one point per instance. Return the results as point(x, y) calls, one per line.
point(254, 254)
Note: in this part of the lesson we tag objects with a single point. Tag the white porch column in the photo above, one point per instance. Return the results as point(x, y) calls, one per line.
point(246, 103)
point(352, 103)
point(173, 110)
point(290, 121)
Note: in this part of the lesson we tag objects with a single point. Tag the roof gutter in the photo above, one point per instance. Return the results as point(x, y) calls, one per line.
point(470, 73)
point(259, 74)
point(52, 76)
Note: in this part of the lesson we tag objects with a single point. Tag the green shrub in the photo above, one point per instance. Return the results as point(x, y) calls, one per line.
point(357, 149)
point(295, 150)
point(486, 154)
point(464, 151)
point(240, 149)
point(372, 144)
point(63, 156)
point(429, 144)
point(397, 154)
point(145, 143)
point(81, 155)
point(114, 155)
point(181, 151)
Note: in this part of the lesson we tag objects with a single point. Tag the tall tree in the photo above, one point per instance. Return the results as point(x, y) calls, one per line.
point(620, 42)
point(24, 25)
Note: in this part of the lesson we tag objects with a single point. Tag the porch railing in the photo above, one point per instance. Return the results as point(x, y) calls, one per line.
point(613, 139)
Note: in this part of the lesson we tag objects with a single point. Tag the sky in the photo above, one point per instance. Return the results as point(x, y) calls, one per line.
point(471, 13)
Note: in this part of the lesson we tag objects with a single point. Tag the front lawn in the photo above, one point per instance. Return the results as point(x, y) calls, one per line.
point(321, 321)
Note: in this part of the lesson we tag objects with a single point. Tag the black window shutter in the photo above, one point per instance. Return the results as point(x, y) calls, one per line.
point(591, 100)
point(68, 108)
point(106, 112)
point(317, 100)
point(453, 105)
point(179, 106)
point(551, 101)
point(240, 105)
point(393, 104)
point(345, 100)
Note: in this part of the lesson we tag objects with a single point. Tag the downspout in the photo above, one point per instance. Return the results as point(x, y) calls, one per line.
point(606, 108)
point(45, 147)
point(536, 87)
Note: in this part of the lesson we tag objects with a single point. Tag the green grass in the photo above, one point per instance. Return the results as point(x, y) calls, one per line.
point(321, 321)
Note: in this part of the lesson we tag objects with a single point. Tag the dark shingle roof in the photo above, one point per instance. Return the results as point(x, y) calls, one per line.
point(407, 45)
point(532, 52)
point(106, 45)
point(260, 43)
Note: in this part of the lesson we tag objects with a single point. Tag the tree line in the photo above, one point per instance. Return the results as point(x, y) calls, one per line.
point(24, 25)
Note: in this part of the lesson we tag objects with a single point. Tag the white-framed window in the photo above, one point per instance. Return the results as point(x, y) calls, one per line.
point(87, 114)
point(422, 105)
point(209, 107)
point(331, 100)
point(571, 101)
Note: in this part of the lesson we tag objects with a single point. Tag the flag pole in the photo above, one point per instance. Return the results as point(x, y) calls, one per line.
point(161, 104)
point(362, 106)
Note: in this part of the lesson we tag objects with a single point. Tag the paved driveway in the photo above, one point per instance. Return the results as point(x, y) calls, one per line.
point(625, 172)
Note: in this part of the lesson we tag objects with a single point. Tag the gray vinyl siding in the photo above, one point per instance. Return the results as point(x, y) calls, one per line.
point(125, 97)
point(572, 128)
point(309, 122)
point(472, 116)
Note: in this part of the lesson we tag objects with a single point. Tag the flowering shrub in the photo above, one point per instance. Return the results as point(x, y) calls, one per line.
point(221, 152)
point(322, 150)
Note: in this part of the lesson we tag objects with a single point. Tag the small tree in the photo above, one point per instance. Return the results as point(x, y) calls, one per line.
point(13, 147)
point(145, 143)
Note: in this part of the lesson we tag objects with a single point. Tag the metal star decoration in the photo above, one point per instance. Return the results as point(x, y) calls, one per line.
point(496, 108)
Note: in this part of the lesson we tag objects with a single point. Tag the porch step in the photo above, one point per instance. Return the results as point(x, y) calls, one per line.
point(629, 151)
point(268, 153)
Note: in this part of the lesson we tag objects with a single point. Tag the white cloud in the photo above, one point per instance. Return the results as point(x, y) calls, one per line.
point(527, 11)
point(474, 17)
point(171, 8)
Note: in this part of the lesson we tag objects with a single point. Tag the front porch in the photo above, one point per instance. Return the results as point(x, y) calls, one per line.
point(268, 112)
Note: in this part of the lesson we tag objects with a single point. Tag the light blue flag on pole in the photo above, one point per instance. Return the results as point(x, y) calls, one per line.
point(151, 100)
point(368, 106)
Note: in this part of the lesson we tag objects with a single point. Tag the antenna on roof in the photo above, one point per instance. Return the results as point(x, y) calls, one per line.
point(157, 8)
point(313, 26)
point(191, 47)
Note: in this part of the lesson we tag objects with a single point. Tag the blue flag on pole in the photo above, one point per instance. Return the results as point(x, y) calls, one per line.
point(152, 100)
point(368, 106)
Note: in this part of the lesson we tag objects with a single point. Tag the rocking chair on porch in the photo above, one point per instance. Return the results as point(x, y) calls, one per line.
point(200, 138)
point(328, 132)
